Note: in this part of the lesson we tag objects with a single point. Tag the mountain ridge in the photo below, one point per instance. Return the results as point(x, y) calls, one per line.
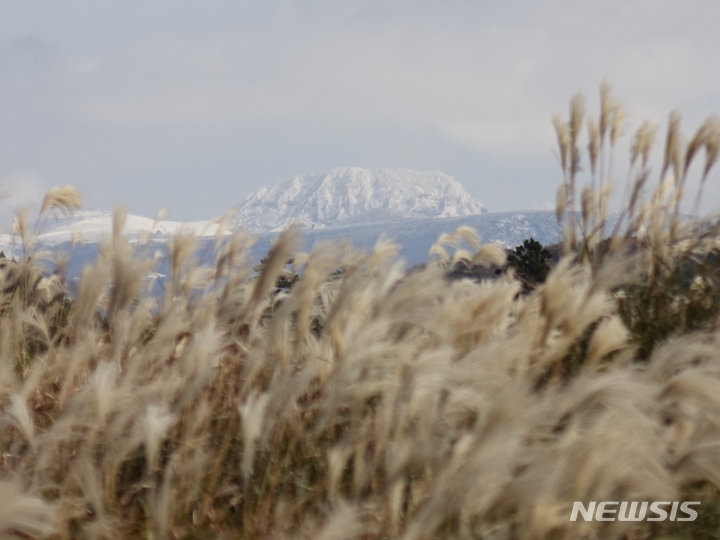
point(353, 195)
point(413, 207)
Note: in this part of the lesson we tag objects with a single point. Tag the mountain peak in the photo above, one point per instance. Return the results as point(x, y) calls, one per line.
point(352, 195)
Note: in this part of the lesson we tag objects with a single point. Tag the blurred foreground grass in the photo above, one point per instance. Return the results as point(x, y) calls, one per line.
point(363, 401)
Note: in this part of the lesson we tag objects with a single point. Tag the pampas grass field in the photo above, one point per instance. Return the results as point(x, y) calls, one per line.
point(365, 401)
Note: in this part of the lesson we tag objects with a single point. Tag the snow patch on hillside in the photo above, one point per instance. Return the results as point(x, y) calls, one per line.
point(93, 225)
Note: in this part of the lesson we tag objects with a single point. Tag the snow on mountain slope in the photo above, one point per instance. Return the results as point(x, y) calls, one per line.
point(415, 237)
point(412, 207)
point(93, 225)
point(348, 196)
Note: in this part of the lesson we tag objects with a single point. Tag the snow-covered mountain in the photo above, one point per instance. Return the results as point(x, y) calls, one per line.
point(90, 226)
point(412, 207)
point(349, 196)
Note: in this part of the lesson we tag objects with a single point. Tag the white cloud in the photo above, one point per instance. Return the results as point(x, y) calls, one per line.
point(21, 188)
point(26, 53)
point(491, 81)
point(487, 75)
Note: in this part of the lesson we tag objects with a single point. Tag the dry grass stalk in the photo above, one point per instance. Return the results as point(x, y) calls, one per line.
point(66, 199)
point(364, 401)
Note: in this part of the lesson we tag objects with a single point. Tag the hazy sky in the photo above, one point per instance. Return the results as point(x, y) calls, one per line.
point(192, 105)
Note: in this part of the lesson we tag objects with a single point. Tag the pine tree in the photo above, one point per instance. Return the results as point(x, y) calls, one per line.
point(530, 263)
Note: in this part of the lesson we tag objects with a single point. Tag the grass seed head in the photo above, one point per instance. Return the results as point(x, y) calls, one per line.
point(65, 199)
